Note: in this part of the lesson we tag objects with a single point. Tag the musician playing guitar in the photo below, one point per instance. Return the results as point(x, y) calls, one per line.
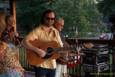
point(40, 43)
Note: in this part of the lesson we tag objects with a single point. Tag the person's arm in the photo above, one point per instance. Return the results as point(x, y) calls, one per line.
point(38, 51)
point(31, 37)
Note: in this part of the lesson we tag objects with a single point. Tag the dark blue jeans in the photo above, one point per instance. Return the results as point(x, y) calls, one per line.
point(44, 72)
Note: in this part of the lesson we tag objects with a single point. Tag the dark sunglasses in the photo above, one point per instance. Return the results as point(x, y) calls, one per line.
point(50, 18)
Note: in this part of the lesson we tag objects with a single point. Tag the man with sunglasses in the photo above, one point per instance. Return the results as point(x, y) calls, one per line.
point(44, 35)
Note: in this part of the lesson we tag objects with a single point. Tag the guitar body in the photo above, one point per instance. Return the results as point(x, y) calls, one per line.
point(35, 59)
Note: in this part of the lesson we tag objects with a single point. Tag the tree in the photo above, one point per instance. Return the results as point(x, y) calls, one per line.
point(81, 16)
point(90, 19)
point(107, 7)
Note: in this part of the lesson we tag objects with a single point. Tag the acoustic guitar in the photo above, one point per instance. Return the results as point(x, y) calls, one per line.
point(51, 48)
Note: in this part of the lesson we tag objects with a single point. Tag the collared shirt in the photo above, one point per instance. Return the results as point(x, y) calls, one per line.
point(44, 37)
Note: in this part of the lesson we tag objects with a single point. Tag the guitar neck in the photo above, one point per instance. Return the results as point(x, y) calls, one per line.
point(64, 49)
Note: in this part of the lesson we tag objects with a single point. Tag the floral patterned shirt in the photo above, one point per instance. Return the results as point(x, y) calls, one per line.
point(8, 59)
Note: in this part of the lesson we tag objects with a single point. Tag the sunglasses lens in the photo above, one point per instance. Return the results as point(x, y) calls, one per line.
point(50, 18)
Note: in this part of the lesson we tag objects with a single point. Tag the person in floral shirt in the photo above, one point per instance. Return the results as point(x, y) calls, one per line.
point(9, 62)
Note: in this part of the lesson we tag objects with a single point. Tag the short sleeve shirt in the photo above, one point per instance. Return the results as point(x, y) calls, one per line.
point(44, 37)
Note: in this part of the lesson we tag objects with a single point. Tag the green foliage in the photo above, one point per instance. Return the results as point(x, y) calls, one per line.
point(81, 16)
point(107, 7)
